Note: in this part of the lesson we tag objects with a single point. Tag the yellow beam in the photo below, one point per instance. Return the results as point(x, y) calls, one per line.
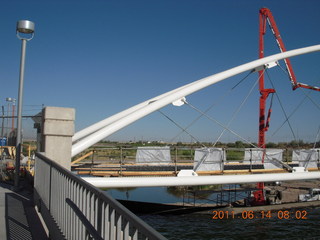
point(82, 157)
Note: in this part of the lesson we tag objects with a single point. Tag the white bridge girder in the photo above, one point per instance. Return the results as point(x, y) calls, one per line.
point(102, 182)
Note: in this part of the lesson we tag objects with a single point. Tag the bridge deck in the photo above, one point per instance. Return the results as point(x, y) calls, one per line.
point(18, 217)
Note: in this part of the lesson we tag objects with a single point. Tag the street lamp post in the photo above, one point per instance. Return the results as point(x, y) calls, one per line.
point(13, 101)
point(25, 32)
point(8, 110)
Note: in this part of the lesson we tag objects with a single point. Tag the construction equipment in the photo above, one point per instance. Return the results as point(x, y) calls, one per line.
point(313, 195)
point(265, 16)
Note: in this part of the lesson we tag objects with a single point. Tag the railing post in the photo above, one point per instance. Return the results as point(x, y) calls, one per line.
point(250, 160)
point(121, 160)
point(175, 161)
point(50, 187)
point(318, 159)
point(222, 159)
point(99, 217)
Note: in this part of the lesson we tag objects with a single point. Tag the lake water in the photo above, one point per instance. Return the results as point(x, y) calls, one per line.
point(197, 226)
point(202, 226)
point(174, 195)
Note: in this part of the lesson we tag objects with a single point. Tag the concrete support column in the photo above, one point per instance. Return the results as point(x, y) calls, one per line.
point(56, 135)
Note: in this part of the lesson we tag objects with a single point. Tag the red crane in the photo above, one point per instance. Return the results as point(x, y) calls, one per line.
point(265, 16)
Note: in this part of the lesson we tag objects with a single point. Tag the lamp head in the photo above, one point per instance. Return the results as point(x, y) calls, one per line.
point(25, 27)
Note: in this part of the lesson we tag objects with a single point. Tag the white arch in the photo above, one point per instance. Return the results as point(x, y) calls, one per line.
point(147, 107)
point(97, 126)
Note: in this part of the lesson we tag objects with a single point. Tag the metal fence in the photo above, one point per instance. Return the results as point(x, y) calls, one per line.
point(181, 155)
point(74, 209)
point(124, 161)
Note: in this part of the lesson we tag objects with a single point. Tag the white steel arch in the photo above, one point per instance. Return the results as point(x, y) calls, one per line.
point(97, 126)
point(107, 127)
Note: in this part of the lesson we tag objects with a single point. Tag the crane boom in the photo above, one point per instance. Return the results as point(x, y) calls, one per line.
point(267, 17)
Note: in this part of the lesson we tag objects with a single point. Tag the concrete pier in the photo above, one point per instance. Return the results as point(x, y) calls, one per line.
point(57, 129)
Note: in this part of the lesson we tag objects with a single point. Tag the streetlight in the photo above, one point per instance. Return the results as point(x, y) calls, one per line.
point(13, 101)
point(25, 32)
point(8, 110)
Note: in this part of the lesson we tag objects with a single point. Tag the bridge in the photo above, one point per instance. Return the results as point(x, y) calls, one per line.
point(74, 208)
point(95, 133)
point(75, 195)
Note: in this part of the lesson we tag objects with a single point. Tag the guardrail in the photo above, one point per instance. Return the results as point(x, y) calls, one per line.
point(166, 161)
point(182, 155)
point(74, 209)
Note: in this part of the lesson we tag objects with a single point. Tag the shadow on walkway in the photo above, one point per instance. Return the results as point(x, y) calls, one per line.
point(22, 220)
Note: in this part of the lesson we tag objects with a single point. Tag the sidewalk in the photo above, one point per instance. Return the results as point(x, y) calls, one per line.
point(18, 217)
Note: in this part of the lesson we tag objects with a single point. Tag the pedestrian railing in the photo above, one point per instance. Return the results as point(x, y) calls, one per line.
point(74, 209)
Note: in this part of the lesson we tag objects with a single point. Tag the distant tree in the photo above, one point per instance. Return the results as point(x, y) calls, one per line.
point(282, 145)
point(248, 145)
point(298, 144)
point(293, 144)
point(231, 145)
point(220, 144)
point(239, 144)
point(271, 145)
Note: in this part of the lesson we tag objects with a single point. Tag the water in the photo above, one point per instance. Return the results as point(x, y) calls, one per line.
point(172, 195)
point(148, 194)
point(197, 226)
point(202, 226)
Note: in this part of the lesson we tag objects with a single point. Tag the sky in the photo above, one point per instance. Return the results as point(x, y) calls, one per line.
point(101, 57)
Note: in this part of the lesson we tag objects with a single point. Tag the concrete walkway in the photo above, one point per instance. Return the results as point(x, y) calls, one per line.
point(18, 217)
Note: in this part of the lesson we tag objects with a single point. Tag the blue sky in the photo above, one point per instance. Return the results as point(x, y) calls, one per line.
point(101, 57)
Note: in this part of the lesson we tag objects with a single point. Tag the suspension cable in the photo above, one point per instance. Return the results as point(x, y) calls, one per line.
point(220, 124)
point(281, 105)
point(303, 90)
point(317, 137)
point(307, 95)
point(244, 78)
point(212, 105)
point(291, 114)
point(184, 130)
point(237, 111)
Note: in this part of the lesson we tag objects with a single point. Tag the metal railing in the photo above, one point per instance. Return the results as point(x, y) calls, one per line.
point(74, 209)
point(181, 155)
point(120, 161)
